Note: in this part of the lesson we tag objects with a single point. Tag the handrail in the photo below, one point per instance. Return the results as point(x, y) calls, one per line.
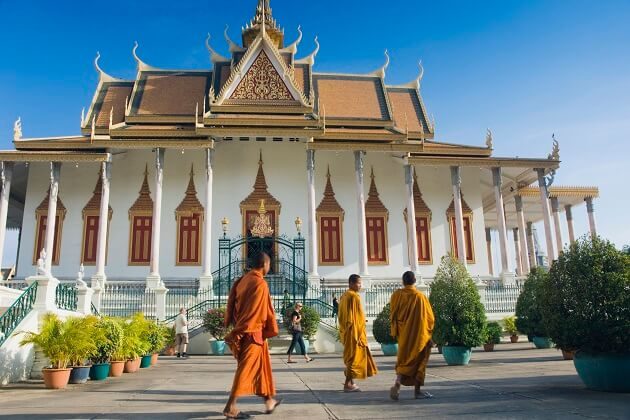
point(66, 297)
point(17, 312)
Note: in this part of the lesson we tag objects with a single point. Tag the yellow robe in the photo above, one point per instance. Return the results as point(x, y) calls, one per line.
point(356, 353)
point(412, 322)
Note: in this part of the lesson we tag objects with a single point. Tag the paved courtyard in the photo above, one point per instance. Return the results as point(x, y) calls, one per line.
point(515, 382)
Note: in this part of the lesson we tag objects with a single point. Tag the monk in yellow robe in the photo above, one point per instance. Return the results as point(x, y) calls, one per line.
point(412, 324)
point(251, 314)
point(356, 353)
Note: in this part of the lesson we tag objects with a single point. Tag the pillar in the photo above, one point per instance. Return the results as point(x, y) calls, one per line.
point(160, 302)
point(6, 174)
point(84, 299)
point(362, 230)
point(46, 292)
point(522, 232)
point(568, 210)
point(555, 209)
point(313, 251)
point(154, 280)
point(530, 244)
point(498, 197)
point(489, 250)
point(412, 233)
point(544, 199)
point(456, 181)
point(205, 280)
point(517, 252)
point(103, 222)
point(55, 173)
point(590, 208)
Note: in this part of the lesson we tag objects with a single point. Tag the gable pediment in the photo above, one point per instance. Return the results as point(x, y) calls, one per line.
point(262, 82)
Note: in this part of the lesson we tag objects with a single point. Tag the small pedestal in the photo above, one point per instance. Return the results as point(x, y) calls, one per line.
point(508, 278)
point(46, 292)
point(206, 283)
point(84, 297)
point(154, 281)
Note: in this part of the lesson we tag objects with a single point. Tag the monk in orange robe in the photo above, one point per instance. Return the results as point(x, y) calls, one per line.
point(412, 324)
point(251, 314)
point(356, 353)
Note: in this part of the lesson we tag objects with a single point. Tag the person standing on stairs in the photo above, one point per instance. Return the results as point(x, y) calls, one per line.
point(295, 328)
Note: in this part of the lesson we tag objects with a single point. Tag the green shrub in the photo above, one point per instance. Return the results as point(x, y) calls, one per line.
point(528, 314)
point(310, 322)
point(54, 340)
point(135, 343)
point(155, 337)
point(85, 337)
point(585, 300)
point(382, 327)
point(459, 314)
point(109, 337)
point(493, 333)
point(509, 325)
point(214, 323)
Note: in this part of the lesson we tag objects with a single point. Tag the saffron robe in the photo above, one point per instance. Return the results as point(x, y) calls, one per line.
point(356, 353)
point(251, 314)
point(412, 323)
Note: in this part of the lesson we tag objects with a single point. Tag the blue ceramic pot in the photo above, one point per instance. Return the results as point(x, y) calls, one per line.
point(604, 372)
point(145, 362)
point(542, 342)
point(389, 349)
point(79, 374)
point(218, 347)
point(456, 355)
point(99, 372)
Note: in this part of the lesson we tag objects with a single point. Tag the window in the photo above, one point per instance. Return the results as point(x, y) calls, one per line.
point(423, 233)
point(330, 240)
point(188, 239)
point(376, 239)
point(141, 234)
point(90, 239)
point(468, 239)
point(41, 220)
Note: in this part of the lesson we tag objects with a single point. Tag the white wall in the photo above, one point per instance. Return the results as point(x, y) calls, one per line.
point(236, 164)
point(16, 361)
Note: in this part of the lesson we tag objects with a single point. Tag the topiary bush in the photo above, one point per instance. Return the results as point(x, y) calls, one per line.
point(585, 300)
point(459, 314)
point(382, 327)
point(109, 340)
point(155, 337)
point(214, 323)
point(310, 322)
point(493, 333)
point(528, 313)
point(509, 325)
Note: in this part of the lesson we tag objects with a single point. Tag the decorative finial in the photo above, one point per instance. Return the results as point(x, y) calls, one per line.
point(83, 117)
point(134, 53)
point(328, 172)
point(381, 71)
point(489, 139)
point(214, 56)
point(310, 59)
point(294, 46)
point(263, 24)
point(260, 159)
point(233, 46)
point(555, 152)
point(421, 75)
point(17, 129)
point(372, 176)
point(111, 118)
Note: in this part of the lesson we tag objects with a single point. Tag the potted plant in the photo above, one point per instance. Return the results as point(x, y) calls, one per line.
point(528, 315)
point(509, 324)
point(584, 302)
point(459, 314)
point(169, 334)
point(214, 324)
point(156, 336)
point(83, 347)
point(134, 346)
point(493, 333)
point(310, 324)
point(55, 341)
point(109, 340)
point(382, 332)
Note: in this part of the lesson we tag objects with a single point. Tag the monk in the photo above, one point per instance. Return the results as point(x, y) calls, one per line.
point(356, 353)
point(250, 312)
point(412, 324)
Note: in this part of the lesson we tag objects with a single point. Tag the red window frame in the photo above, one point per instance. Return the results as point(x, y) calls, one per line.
point(41, 238)
point(188, 242)
point(90, 239)
point(470, 255)
point(423, 234)
point(376, 230)
point(330, 244)
point(141, 237)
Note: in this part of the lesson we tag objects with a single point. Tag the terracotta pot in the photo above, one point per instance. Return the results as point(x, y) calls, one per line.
point(488, 347)
point(169, 351)
point(132, 365)
point(56, 378)
point(568, 355)
point(116, 369)
point(514, 338)
point(154, 359)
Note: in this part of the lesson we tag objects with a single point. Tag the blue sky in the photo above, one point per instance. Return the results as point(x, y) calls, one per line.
point(526, 69)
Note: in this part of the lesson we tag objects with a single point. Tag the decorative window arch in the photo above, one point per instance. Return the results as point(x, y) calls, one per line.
point(376, 218)
point(469, 244)
point(423, 224)
point(141, 226)
point(91, 224)
point(330, 217)
point(41, 216)
point(189, 216)
point(250, 205)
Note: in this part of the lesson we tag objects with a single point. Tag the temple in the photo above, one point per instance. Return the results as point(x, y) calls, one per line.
point(174, 168)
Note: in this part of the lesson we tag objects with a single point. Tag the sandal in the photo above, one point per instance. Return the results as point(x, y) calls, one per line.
point(354, 388)
point(424, 396)
point(237, 416)
point(310, 360)
point(394, 393)
point(278, 402)
point(291, 361)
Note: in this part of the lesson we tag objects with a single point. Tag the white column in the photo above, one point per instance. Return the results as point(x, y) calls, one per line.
point(544, 199)
point(55, 172)
point(153, 280)
point(590, 208)
point(412, 234)
point(456, 181)
point(84, 299)
point(489, 251)
point(6, 174)
point(498, 197)
point(160, 302)
point(517, 252)
point(530, 244)
point(313, 254)
point(103, 223)
point(555, 208)
point(569, 213)
point(206, 280)
point(363, 255)
point(522, 232)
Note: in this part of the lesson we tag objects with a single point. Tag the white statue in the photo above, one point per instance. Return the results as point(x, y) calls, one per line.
point(80, 276)
point(17, 129)
point(41, 263)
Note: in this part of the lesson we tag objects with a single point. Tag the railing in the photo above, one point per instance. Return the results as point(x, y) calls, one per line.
point(12, 317)
point(377, 297)
point(127, 298)
point(14, 284)
point(195, 314)
point(66, 297)
point(94, 310)
point(500, 298)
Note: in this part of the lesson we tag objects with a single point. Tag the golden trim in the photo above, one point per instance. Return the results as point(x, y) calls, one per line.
point(261, 122)
point(260, 109)
point(488, 162)
point(260, 132)
point(561, 191)
point(51, 156)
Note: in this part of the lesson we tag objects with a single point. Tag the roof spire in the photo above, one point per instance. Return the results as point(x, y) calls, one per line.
point(263, 23)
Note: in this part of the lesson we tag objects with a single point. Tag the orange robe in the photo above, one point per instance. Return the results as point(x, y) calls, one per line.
point(412, 324)
point(251, 313)
point(356, 353)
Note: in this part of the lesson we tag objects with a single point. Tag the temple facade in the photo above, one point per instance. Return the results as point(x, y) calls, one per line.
point(262, 145)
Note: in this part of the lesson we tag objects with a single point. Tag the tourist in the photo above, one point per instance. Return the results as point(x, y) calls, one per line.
point(335, 305)
point(295, 329)
point(412, 323)
point(356, 353)
point(250, 312)
point(181, 333)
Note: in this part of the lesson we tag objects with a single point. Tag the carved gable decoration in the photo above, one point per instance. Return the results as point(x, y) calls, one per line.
point(329, 203)
point(260, 192)
point(190, 203)
point(262, 83)
point(144, 203)
point(94, 205)
point(43, 206)
point(374, 203)
point(465, 207)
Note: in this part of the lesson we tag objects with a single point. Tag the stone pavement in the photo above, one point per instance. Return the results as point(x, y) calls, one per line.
point(514, 382)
